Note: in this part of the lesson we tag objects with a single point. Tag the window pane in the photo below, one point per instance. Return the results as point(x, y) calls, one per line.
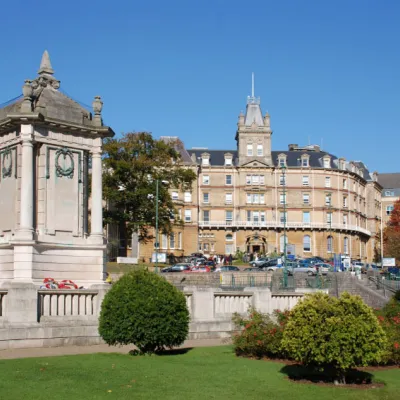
point(188, 215)
point(206, 216)
point(327, 181)
point(305, 180)
point(248, 179)
point(206, 197)
point(164, 241)
point(206, 179)
point(306, 217)
point(172, 241)
point(259, 150)
point(262, 181)
point(228, 179)
point(174, 196)
point(249, 149)
point(306, 198)
point(248, 198)
point(307, 243)
point(188, 197)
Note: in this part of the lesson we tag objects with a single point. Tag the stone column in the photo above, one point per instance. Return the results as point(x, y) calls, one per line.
point(24, 239)
point(25, 231)
point(97, 197)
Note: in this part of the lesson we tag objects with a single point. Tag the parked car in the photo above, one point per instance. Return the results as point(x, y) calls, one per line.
point(201, 268)
point(260, 261)
point(309, 269)
point(227, 268)
point(323, 268)
point(252, 269)
point(270, 265)
point(198, 261)
point(181, 267)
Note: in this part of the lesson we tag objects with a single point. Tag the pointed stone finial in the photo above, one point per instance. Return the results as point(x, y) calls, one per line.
point(45, 65)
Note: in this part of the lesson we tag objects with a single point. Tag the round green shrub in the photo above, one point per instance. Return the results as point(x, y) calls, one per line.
point(333, 334)
point(144, 309)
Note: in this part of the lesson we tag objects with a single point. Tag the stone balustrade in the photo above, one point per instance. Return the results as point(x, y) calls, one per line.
point(228, 303)
point(60, 303)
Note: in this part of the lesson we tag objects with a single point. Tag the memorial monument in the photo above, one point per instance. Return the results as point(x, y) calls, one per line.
point(49, 146)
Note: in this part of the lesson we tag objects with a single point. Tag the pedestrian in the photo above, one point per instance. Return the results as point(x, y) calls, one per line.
point(230, 259)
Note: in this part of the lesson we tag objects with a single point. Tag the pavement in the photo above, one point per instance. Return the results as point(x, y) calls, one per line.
point(100, 348)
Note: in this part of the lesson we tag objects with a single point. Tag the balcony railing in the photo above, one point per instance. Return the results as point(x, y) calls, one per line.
point(278, 224)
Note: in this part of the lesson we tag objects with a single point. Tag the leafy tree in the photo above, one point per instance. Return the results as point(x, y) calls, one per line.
point(333, 334)
point(132, 164)
point(391, 237)
point(143, 309)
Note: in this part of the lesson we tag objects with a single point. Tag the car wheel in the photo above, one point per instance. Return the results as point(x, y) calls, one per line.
point(253, 264)
point(309, 273)
point(270, 270)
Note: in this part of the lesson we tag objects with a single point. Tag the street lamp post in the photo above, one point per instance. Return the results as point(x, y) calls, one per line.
point(157, 244)
point(285, 272)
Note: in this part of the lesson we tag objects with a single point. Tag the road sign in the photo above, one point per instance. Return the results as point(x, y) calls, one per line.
point(389, 262)
point(159, 257)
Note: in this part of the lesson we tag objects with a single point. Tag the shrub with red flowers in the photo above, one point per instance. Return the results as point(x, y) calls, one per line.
point(259, 335)
point(389, 319)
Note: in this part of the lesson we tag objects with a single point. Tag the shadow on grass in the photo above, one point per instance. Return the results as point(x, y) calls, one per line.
point(172, 352)
point(298, 372)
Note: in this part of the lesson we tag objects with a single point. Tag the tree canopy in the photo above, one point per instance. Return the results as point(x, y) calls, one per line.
point(132, 165)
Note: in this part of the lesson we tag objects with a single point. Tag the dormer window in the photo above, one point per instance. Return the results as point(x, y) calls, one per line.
point(327, 162)
point(282, 160)
point(205, 159)
point(305, 161)
point(228, 159)
point(342, 163)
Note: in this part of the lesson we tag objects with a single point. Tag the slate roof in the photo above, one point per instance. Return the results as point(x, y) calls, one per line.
point(390, 181)
point(293, 159)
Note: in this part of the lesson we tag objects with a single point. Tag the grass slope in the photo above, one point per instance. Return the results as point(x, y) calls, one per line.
point(201, 373)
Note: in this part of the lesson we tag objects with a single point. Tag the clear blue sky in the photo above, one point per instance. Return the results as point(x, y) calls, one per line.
point(325, 70)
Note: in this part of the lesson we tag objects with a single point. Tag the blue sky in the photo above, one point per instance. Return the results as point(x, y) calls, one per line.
point(325, 70)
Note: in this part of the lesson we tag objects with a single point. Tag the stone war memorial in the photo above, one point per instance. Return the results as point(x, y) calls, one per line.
point(48, 144)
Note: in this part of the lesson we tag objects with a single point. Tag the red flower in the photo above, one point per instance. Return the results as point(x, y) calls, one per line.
point(396, 345)
point(247, 326)
point(255, 334)
point(259, 342)
point(265, 332)
point(381, 318)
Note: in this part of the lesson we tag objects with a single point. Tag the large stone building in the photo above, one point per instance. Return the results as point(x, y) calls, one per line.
point(246, 198)
point(390, 193)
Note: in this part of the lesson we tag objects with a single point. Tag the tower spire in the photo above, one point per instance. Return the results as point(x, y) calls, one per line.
point(45, 65)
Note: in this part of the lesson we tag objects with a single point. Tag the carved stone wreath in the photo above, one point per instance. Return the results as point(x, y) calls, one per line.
point(62, 171)
point(7, 169)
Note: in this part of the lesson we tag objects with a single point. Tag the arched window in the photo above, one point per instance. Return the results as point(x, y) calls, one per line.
point(330, 244)
point(229, 237)
point(307, 243)
point(346, 245)
point(282, 243)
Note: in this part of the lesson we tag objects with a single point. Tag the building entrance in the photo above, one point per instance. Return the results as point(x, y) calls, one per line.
point(256, 244)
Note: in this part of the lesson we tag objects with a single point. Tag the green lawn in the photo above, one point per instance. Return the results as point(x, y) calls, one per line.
point(201, 373)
